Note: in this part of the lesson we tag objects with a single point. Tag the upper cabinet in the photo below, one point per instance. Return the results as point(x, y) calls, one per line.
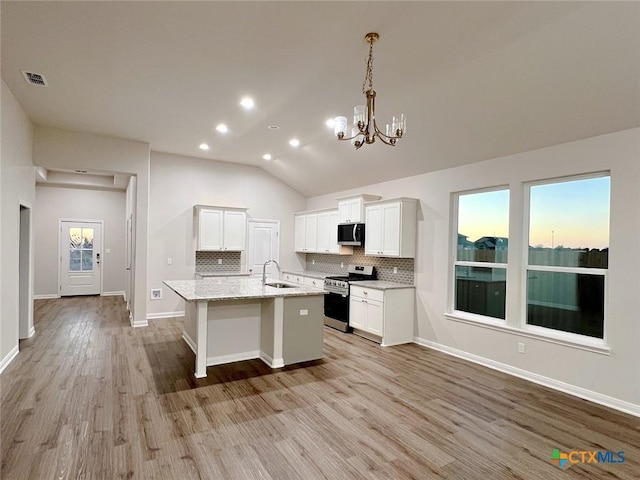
point(305, 232)
point(327, 238)
point(351, 209)
point(221, 228)
point(391, 228)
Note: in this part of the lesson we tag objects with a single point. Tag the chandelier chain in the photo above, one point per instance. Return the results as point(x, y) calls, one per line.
point(369, 75)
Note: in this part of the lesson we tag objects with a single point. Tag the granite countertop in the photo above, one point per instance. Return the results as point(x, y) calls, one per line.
point(212, 289)
point(308, 273)
point(381, 284)
point(211, 273)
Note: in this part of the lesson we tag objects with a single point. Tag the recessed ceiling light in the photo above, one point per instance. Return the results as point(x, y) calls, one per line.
point(266, 156)
point(247, 103)
point(204, 146)
point(331, 122)
point(294, 142)
point(222, 128)
point(273, 127)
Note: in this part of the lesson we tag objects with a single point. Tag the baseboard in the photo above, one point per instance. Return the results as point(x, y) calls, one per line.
point(273, 363)
point(137, 323)
point(46, 296)
point(4, 363)
point(221, 359)
point(32, 332)
point(113, 294)
point(151, 316)
point(607, 401)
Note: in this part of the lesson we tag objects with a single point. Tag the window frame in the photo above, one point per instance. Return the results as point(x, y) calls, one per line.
point(454, 262)
point(538, 330)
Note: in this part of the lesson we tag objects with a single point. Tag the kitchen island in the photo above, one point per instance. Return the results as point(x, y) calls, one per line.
point(232, 319)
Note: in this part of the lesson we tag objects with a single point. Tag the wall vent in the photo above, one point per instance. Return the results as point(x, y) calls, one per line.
point(35, 78)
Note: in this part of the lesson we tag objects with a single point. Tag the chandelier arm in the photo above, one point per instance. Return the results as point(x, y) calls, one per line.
point(351, 138)
point(381, 135)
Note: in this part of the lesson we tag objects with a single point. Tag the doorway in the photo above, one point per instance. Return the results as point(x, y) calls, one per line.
point(25, 290)
point(264, 244)
point(80, 249)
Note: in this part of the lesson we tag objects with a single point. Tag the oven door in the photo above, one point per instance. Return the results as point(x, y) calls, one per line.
point(336, 311)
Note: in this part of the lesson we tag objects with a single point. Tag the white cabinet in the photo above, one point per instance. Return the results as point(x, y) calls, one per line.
point(328, 232)
point(305, 232)
point(351, 209)
point(303, 280)
point(386, 316)
point(293, 278)
point(221, 228)
point(391, 228)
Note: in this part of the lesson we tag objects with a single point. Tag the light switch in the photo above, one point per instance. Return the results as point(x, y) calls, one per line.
point(169, 261)
point(107, 250)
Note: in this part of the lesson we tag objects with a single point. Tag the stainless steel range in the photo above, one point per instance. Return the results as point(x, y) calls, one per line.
point(336, 301)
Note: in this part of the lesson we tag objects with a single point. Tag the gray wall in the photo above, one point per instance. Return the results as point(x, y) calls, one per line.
point(18, 185)
point(54, 203)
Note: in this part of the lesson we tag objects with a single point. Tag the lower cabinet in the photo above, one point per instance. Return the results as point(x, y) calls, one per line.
point(386, 316)
point(302, 280)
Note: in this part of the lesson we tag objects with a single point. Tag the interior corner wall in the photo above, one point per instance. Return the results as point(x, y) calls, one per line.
point(177, 184)
point(607, 377)
point(18, 185)
point(54, 203)
point(58, 148)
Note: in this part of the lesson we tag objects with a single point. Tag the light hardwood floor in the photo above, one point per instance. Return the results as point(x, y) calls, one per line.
point(91, 397)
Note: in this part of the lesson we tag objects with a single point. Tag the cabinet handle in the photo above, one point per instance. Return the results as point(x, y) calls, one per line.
point(365, 292)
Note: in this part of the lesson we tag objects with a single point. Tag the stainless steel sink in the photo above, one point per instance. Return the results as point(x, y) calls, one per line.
point(280, 285)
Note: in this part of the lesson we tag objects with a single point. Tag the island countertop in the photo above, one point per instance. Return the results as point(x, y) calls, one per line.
point(213, 289)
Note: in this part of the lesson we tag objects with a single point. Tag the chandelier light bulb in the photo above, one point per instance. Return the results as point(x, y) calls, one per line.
point(340, 127)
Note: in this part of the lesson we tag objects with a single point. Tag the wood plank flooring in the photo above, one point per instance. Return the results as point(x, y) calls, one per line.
point(90, 397)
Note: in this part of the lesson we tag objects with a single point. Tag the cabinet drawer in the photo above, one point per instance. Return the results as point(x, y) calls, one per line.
point(314, 282)
point(367, 293)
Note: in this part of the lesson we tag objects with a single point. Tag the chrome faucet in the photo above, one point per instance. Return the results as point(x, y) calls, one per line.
point(264, 270)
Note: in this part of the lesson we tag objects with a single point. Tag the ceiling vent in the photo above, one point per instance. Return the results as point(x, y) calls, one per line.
point(35, 78)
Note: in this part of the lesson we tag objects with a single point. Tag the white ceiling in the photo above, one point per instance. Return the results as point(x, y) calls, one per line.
point(476, 80)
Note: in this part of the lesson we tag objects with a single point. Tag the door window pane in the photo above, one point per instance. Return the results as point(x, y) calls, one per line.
point(75, 237)
point(569, 223)
point(87, 238)
point(87, 260)
point(483, 227)
point(569, 302)
point(481, 290)
point(74, 260)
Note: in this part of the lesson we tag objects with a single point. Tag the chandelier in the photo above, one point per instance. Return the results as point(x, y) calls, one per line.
point(365, 128)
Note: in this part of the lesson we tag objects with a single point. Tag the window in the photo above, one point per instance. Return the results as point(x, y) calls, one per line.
point(568, 253)
point(481, 254)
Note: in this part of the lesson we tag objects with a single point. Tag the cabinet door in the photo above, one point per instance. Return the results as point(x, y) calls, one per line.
point(235, 228)
point(343, 211)
point(299, 242)
point(355, 210)
point(210, 226)
point(333, 232)
point(373, 232)
point(357, 313)
point(391, 229)
point(311, 232)
point(374, 317)
point(324, 233)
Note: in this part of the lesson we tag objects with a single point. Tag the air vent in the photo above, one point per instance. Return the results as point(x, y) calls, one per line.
point(35, 78)
point(81, 171)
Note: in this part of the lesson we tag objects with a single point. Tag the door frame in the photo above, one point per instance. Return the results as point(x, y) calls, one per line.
point(26, 328)
point(85, 220)
point(276, 223)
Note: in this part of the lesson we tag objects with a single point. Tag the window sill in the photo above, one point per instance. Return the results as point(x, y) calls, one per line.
point(559, 338)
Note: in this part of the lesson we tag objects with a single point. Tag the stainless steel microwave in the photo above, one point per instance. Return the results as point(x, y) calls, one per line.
point(351, 234)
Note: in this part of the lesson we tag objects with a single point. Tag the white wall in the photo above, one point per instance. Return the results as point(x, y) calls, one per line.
point(56, 148)
point(18, 185)
point(613, 378)
point(54, 203)
point(177, 184)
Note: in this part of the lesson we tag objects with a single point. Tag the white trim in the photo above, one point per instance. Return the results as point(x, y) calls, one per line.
point(119, 293)
point(101, 252)
point(152, 316)
point(4, 363)
point(607, 401)
point(32, 331)
point(137, 323)
point(46, 296)
point(580, 342)
point(273, 363)
point(222, 359)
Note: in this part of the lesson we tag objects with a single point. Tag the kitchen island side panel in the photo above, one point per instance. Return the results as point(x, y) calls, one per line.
point(303, 329)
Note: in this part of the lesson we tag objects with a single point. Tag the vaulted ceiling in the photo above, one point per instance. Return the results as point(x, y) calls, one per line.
point(476, 80)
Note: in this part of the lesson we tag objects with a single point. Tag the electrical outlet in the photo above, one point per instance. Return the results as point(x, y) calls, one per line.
point(520, 347)
point(156, 294)
point(304, 312)
point(219, 261)
point(169, 261)
point(395, 269)
point(313, 261)
point(341, 264)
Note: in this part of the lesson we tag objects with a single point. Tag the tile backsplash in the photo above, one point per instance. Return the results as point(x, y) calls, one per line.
point(384, 265)
point(208, 261)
